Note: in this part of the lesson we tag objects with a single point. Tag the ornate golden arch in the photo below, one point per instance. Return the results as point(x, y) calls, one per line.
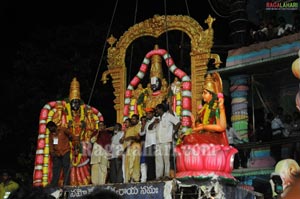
point(201, 44)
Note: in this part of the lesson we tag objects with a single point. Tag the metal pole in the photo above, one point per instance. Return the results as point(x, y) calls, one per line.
point(252, 99)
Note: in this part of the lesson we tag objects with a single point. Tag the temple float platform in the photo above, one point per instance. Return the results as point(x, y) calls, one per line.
point(169, 189)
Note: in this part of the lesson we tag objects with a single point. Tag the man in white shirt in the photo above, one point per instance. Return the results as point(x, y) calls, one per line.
point(277, 129)
point(116, 173)
point(167, 125)
point(233, 136)
point(150, 142)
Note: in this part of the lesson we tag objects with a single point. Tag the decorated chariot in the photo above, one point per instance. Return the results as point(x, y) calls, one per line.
point(201, 147)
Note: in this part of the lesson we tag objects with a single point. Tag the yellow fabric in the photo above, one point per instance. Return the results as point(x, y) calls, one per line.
point(10, 187)
point(99, 173)
point(132, 163)
point(132, 156)
point(133, 131)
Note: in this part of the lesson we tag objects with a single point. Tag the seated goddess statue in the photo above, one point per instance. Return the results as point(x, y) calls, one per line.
point(210, 124)
point(204, 151)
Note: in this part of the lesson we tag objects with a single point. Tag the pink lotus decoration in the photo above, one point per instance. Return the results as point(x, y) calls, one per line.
point(204, 160)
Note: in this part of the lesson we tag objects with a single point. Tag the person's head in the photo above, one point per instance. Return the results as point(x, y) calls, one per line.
point(51, 126)
point(117, 127)
point(270, 116)
point(5, 176)
point(285, 174)
point(149, 113)
point(134, 119)
point(102, 126)
point(160, 109)
point(143, 120)
point(127, 122)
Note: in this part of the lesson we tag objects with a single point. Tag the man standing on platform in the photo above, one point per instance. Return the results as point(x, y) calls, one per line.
point(150, 142)
point(100, 155)
point(132, 149)
point(167, 125)
point(59, 145)
point(116, 172)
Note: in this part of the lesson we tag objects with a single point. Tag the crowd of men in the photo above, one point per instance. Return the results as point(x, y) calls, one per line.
point(123, 153)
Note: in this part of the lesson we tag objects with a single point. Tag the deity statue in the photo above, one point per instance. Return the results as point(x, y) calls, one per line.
point(159, 85)
point(158, 90)
point(137, 98)
point(176, 95)
point(82, 120)
point(77, 119)
point(210, 124)
point(204, 151)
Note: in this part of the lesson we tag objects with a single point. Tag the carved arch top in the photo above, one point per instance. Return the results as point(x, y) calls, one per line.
point(201, 41)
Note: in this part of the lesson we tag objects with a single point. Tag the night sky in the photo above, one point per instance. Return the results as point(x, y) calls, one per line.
point(40, 60)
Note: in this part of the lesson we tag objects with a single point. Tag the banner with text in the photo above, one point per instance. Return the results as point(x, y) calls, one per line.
point(157, 190)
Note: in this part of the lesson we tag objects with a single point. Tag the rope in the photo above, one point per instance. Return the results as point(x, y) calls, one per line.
point(167, 37)
point(182, 34)
point(132, 46)
point(215, 11)
point(102, 54)
point(261, 99)
point(187, 8)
